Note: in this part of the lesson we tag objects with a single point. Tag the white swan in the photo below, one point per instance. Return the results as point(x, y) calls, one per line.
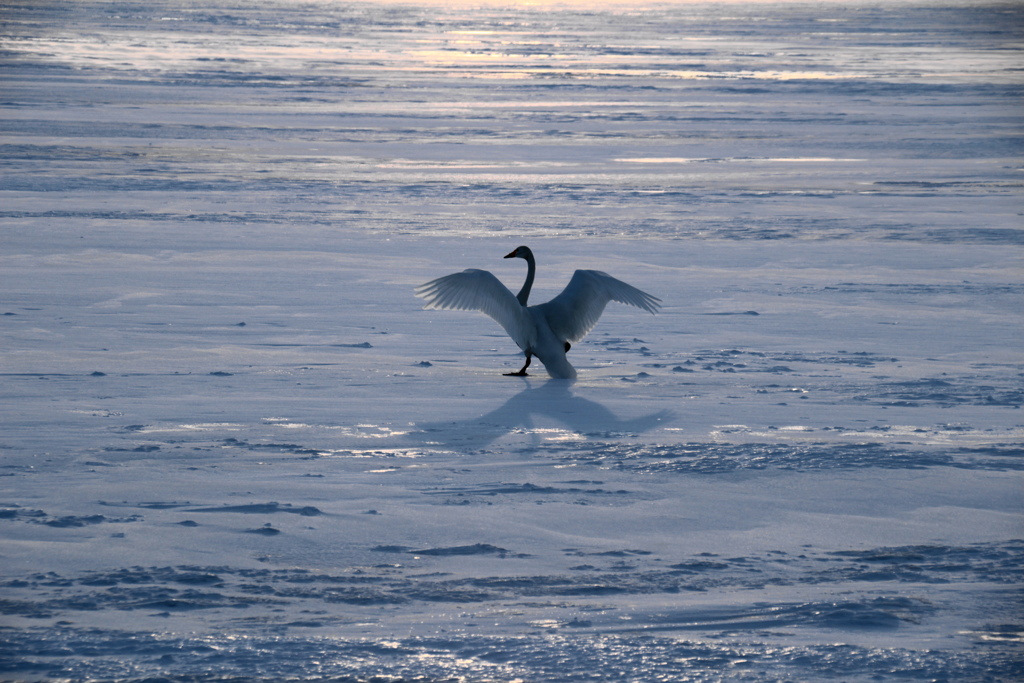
point(545, 330)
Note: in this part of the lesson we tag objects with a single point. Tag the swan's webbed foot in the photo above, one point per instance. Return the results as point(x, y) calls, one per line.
point(522, 370)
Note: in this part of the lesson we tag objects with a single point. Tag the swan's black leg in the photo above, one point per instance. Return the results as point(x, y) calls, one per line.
point(567, 347)
point(522, 370)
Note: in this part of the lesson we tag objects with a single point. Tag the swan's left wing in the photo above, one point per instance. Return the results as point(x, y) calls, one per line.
point(479, 290)
point(577, 309)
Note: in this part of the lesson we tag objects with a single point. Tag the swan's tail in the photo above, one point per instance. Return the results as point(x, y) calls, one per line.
point(557, 365)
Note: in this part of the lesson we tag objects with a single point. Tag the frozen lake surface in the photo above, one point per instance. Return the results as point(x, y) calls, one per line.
point(236, 447)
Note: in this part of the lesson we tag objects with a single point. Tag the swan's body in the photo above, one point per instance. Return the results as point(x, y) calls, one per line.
point(544, 330)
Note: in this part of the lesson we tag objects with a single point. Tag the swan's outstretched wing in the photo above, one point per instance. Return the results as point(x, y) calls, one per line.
point(576, 310)
point(479, 290)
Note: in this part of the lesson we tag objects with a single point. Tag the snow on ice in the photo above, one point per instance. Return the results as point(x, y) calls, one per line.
point(236, 446)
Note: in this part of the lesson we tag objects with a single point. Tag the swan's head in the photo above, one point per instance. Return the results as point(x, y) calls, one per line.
point(520, 252)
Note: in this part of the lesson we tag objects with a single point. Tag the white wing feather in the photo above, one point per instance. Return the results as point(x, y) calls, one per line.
point(577, 309)
point(479, 290)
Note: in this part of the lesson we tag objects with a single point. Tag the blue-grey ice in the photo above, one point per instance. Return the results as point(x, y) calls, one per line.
point(234, 445)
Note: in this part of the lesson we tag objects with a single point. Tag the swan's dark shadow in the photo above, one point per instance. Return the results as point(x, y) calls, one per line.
point(552, 400)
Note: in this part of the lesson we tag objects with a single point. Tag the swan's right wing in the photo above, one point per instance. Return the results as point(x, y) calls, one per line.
point(576, 310)
point(479, 290)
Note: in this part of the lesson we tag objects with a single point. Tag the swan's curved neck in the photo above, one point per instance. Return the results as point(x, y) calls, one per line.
point(531, 271)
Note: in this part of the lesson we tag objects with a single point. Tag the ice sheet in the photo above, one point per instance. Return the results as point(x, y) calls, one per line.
point(236, 446)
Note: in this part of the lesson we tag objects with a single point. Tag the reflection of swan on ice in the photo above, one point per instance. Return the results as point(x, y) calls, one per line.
point(545, 330)
point(552, 401)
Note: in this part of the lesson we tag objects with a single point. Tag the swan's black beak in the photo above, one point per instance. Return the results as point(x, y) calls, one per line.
point(513, 254)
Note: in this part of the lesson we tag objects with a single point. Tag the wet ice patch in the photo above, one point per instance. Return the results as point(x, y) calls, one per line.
point(620, 627)
point(720, 458)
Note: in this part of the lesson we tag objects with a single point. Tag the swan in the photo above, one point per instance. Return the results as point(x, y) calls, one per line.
point(544, 330)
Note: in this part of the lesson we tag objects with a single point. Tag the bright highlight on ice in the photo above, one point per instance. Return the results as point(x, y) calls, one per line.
point(545, 330)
